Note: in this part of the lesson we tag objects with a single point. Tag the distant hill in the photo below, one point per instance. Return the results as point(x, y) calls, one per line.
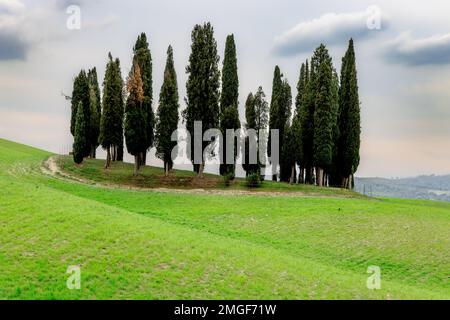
point(422, 187)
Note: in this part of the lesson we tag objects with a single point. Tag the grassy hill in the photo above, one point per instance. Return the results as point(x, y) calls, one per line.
point(160, 245)
point(423, 187)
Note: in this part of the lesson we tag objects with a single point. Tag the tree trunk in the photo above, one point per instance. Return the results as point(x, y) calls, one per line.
point(319, 176)
point(200, 170)
point(308, 175)
point(301, 175)
point(136, 165)
point(292, 178)
point(166, 169)
point(108, 157)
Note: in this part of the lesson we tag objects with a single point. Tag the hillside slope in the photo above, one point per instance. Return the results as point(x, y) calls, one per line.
point(153, 245)
point(423, 187)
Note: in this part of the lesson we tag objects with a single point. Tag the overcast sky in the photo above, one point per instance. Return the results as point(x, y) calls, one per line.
point(403, 63)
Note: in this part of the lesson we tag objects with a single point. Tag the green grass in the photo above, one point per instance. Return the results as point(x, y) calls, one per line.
point(153, 177)
point(154, 245)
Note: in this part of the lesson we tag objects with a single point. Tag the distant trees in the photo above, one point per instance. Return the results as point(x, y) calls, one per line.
point(321, 138)
point(229, 115)
point(202, 101)
point(167, 116)
point(328, 113)
point(111, 123)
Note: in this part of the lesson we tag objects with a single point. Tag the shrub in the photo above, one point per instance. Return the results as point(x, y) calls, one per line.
point(227, 178)
point(253, 180)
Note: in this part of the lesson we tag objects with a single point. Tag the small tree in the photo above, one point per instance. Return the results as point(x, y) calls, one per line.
point(135, 133)
point(167, 116)
point(81, 142)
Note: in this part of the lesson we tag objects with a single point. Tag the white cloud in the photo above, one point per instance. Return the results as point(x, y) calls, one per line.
point(434, 50)
point(330, 29)
point(11, 6)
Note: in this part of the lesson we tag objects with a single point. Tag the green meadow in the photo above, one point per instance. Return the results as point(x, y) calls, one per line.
point(143, 243)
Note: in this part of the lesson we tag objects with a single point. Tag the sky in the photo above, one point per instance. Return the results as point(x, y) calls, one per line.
point(402, 51)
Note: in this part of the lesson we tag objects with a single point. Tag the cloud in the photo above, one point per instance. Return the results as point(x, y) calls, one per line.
point(11, 6)
point(330, 29)
point(434, 50)
point(14, 45)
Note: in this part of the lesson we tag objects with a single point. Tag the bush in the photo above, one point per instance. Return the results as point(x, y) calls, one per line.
point(227, 178)
point(253, 180)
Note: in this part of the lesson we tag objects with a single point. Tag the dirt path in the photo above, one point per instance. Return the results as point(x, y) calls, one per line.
point(51, 167)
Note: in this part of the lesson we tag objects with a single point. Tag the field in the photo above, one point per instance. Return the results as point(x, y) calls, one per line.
point(138, 243)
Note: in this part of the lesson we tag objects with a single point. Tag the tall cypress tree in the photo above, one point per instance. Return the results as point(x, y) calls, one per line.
point(284, 115)
point(349, 118)
point(306, 118)
point(250, 118)
point(274, 121)
point(300, 111)
point(81, 141)
point(95, 110)
point(167, 117)
point(135, 133)
point(119, 111)
point(229, 115)
point(143, 57)
point(323, 115)
point(202, 101)
point(333, 170)
point(111, 123)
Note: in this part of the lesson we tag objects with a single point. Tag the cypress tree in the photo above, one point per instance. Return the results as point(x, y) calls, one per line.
point(290, 152)
point(143, 57)
point(95, 110)
point(300, 110)
point(274, 121)
point(256, 114)
point(202, 101)
point(80, 93)
point(111, 122)
point(81, 142)
point(250, 118)
point(323, 115)
point(135, 133)
point(229, 115)
point(167, 117)
point(119, 111)
point(349, 118)
point(261, 110)
point(333, 170)
point(284, 115)
point(306, 118)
